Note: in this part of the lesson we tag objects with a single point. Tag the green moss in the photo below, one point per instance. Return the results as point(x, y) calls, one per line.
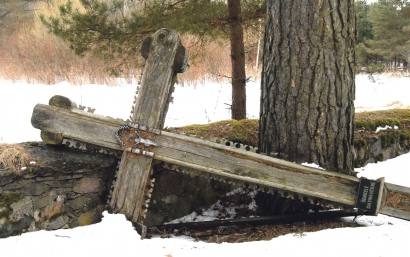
point(373, 124)
point(389, 138)
point(246, 131)
point(360, 142)
point(371, 120)
point(243, 131)
point(404, 135)
point(6, 199)
point(379, 158)
point(358, 163)
point(87, 218)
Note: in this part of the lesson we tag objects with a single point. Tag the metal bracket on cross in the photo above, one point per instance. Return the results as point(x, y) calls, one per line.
point(137, 139)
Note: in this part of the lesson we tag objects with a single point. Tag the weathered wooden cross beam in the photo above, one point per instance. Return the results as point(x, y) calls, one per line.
point(143, 141)
point(165, 57)
point(220, 160)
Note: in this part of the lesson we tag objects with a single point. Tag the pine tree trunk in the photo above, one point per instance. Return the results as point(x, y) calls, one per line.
point(308, 84)
point(237, 60)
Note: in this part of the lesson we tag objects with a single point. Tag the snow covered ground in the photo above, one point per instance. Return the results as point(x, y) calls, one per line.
point(114, 236)
point(203, 103)
point(380, 92)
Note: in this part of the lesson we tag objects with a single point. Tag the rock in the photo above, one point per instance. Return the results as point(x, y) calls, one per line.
point(22, 208)
point(56, 223)
point(88, 218)
point(84, 202)
point(62, 186)
point(88, 185)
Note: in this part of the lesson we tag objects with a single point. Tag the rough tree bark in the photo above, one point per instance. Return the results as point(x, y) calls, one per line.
point(308, 84)
point(237, 60)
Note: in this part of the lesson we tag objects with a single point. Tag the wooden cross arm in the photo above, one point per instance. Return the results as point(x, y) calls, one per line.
point(223, 161)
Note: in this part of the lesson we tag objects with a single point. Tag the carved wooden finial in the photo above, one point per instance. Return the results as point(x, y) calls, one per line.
point(61, 102)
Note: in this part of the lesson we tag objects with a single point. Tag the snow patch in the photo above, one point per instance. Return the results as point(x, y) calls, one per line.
point(115, 236)
point(312, 165)
point(387, 127)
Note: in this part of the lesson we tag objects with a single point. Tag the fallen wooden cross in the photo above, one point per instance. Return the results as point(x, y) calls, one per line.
point(142, 141)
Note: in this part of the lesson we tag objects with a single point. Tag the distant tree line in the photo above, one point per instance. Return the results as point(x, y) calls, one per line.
point(114, 28)
point(383, 35)
point(12, 12)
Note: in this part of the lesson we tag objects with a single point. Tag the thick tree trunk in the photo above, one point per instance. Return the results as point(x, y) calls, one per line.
point(308, 84)
point(237, 60)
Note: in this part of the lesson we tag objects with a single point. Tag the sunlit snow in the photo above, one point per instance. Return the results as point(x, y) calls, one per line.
point(206, 102)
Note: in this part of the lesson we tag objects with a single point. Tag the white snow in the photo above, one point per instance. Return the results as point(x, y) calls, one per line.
point(221, 210)
point(387, 127)
point(394, 170)
point(203, 103)
point(388, 91)
point(115, 236)
point(312, 165)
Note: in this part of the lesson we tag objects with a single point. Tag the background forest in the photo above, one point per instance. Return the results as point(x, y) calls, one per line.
point(53, 40)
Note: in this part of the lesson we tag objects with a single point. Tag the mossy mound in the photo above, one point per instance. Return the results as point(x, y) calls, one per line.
point(6, 199)
point(371, 120)
point(242, 131)
point(367, 123)
point(246, 131)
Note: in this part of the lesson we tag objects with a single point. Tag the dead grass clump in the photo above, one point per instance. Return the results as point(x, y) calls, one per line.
point(268, 232)
point(13, 157)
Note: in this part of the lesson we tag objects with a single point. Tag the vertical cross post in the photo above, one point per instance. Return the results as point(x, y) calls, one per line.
point(165, 57)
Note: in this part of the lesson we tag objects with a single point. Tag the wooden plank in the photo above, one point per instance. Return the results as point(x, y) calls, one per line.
point(396, 201)
point(206, 156)
point(223, 161)
point(149, 110)
point(255, 168)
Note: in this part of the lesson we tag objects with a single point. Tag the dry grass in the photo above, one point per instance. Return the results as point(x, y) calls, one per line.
point(31, 53)
point(13, 157)
point(212, 59)
point(258, 233)
point(40, 57)
point(249, 233)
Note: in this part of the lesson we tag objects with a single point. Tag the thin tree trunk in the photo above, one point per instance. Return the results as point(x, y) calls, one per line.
point(308, 84)
point(237, 60)
point(258, 50)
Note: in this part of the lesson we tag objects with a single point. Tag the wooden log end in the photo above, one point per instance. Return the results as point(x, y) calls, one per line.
point(62, 102)
point(51, 138)
point(162, 36)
